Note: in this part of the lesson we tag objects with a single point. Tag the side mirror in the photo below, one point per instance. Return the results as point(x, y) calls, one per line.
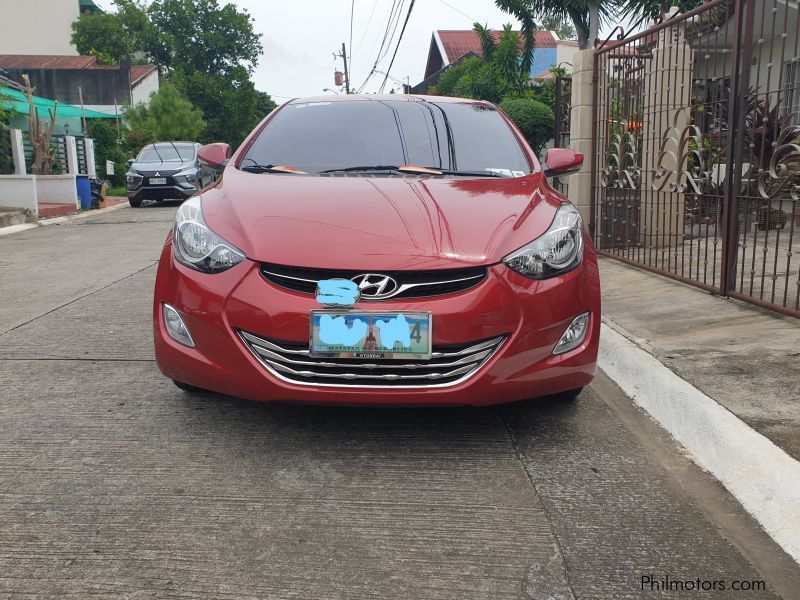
point(559, 162)
point(215, 156)
point(131, 161)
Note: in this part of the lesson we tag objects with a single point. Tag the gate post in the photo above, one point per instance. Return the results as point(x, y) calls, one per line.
point(580, 132)
point(666, 135)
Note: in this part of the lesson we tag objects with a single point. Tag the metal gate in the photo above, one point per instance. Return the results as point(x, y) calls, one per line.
point(563, 105)
point(697, 138)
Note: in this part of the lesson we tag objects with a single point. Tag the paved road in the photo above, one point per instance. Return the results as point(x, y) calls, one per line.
point(115, 484)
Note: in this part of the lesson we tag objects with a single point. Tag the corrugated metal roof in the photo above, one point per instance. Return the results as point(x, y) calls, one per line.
point(139, 72)
point(40, 61)
point(37, 61)
point(456, 43)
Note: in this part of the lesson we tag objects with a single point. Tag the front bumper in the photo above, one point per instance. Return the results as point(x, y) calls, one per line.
point(530, 315)
point(165, 192)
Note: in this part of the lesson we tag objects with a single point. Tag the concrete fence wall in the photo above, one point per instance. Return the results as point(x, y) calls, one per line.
point(581, 126)
point(19, 191)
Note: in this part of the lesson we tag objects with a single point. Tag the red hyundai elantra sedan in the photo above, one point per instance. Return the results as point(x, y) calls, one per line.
point(380, 250)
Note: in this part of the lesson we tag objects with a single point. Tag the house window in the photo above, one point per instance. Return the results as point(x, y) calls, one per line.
point(791, 97)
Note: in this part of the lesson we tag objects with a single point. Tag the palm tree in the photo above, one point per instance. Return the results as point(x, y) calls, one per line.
point(589, 15)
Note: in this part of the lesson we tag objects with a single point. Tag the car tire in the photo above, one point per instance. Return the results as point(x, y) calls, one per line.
point(567, 396)
point(187, 388)
point(135, 202)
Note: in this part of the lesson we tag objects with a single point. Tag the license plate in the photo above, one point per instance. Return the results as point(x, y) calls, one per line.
point(158, 181)
point(373, 335)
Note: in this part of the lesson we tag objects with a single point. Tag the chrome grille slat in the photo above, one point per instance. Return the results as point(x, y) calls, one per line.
point(376, 376)
point(304, 352)
point(447, 366)
point(274, 356)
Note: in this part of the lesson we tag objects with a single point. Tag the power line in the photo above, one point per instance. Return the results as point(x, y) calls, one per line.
point(462, 13)
point(366, 29)
point(400, 39)
point(352, 10)
point(383, 42)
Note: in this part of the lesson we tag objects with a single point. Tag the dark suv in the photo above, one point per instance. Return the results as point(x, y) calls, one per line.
point(166, 171)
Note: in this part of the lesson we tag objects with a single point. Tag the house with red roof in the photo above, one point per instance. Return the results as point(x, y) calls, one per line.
point(449, 47)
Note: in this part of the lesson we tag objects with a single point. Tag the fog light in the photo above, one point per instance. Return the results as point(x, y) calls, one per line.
point(176, 328)
point(574, 335)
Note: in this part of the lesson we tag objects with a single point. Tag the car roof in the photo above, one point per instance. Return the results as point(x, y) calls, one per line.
point(387, 98)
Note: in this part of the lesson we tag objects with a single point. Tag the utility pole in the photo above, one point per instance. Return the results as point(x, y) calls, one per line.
point(343, 56)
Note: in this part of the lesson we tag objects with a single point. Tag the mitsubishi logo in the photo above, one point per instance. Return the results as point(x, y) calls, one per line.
point(158, 174)
point(374, 286)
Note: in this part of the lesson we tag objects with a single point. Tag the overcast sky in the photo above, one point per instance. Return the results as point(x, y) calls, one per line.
point(300, 36)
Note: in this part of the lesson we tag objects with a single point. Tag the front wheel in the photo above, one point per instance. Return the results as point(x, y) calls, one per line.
point(135, 202)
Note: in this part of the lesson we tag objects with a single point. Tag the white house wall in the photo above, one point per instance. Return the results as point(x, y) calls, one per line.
point(37, 26)
point(145, 88)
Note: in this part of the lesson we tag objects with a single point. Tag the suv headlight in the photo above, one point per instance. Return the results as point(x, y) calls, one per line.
point(196, 246)
point(558, 251)
point(186, 178)
point(133, 180)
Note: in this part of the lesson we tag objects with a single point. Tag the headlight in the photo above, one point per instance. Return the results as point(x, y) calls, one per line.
point(187, 178)
point(559, 250)
point(196, 246)
point(133, 180)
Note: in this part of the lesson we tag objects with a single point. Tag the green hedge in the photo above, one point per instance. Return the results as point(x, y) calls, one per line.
point(106, 148)
point(535, 119)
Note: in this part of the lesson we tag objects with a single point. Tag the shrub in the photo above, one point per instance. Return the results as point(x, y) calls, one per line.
point(104, 133)
point(535, 120)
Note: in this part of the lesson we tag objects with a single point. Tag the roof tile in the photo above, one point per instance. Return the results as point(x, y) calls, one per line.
point(456, 43)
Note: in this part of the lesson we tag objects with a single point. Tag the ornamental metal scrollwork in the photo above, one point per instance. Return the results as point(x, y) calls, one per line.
point(622, 170)
point(783, 173)
point(680, 159)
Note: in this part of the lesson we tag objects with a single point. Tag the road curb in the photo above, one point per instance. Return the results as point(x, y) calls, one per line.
point(82, 215)
point(762, 477)
point(56, 220)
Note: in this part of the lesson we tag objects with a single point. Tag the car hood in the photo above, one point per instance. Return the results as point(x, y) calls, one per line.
point(377, 222)
point(167, 167)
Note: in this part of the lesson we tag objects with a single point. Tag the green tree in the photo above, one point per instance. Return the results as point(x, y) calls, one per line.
point(108, 148)
point(588, 16)
point(231, 104)
point(201, 35)
point(169, 116)
point(562, 26)
point(535, 120)
point(499, 72)
point(206, 51)
point(102, 35)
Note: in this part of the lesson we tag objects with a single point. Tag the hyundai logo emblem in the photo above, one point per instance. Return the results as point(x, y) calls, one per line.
point(374, 286)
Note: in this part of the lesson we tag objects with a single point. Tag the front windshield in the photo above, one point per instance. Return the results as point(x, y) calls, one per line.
point(166, 153)
point(324, 136)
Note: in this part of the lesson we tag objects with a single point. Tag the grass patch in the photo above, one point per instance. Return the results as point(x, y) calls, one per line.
point(116, 191)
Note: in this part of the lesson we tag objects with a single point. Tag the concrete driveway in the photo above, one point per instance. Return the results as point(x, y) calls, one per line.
point(115, 484)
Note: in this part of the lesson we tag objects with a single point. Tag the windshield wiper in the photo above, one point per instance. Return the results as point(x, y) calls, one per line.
point(412, 169)
point(472, 173)
point(256, 168)
point(364, 168)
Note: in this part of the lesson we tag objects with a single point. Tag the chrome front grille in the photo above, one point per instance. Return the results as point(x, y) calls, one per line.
point(410, 284)
point(448, 365)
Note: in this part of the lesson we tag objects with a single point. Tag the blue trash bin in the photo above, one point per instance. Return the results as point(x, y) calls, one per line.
point(84, 192)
